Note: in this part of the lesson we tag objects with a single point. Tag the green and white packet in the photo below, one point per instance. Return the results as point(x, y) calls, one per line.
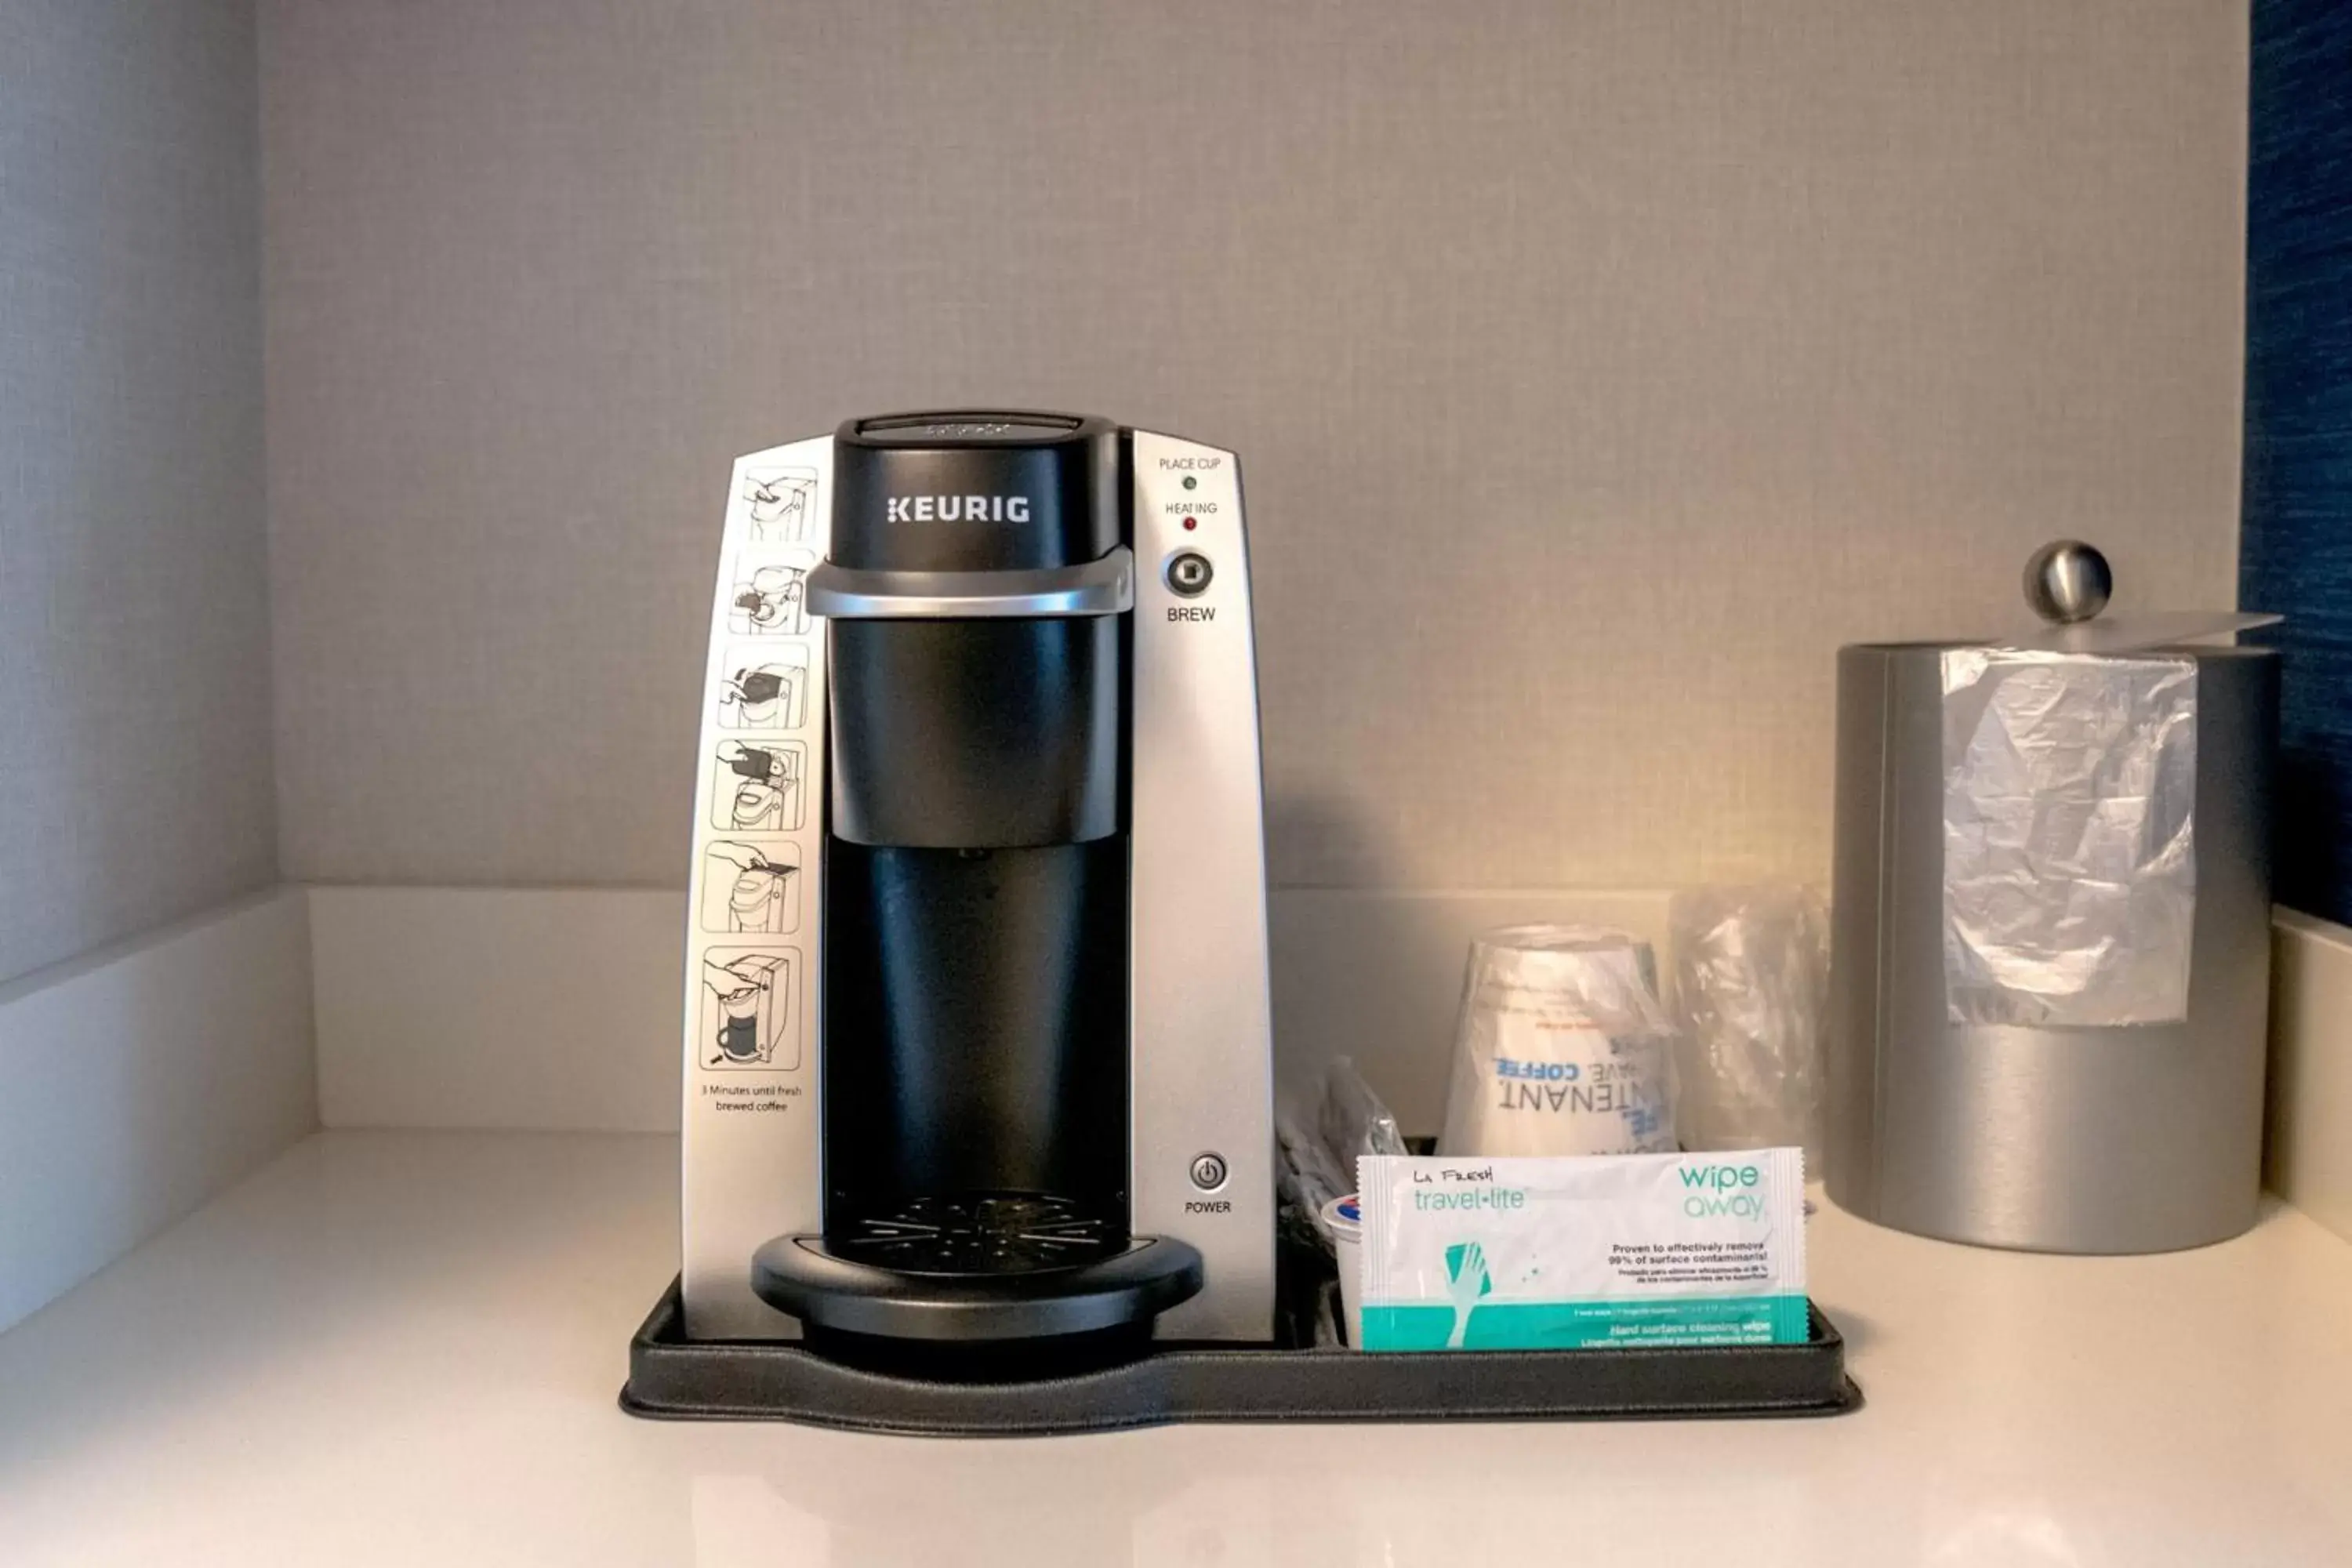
point(1561, 1252)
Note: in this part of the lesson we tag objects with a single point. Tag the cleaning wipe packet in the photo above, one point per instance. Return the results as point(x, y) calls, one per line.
point(1561, 1251)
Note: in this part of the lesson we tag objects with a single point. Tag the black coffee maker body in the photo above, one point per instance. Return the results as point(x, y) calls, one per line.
point(977, 1033)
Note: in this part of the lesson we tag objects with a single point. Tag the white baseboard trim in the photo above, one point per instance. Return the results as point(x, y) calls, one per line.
point(558, 1009)
point(2309, 1153)
point(552, 1009)
point(541, 1009)
point(138, 1082)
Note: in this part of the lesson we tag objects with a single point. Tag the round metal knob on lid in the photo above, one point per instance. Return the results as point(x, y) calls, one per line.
point(2068, 581)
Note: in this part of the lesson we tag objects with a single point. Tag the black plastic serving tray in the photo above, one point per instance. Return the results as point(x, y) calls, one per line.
point(672, 1378)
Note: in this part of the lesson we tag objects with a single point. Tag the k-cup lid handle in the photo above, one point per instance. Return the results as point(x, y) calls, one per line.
point(1104, 586)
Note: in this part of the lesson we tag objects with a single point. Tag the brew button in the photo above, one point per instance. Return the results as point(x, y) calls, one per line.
point(1209, 1171)
point(1189, 573)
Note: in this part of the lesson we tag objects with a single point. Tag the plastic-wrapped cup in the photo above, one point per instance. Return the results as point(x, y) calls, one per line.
point(1563, 1048)
point(1345, 1221)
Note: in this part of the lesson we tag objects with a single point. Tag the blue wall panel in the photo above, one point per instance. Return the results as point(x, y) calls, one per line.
point(2296, 553)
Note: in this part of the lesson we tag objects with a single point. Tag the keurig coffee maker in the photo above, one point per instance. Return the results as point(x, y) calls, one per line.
point(977, 1036)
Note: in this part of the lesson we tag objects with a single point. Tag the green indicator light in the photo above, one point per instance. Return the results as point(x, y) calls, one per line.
point(1191, 483)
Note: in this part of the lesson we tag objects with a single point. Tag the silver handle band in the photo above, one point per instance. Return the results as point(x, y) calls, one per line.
point(1102, 587)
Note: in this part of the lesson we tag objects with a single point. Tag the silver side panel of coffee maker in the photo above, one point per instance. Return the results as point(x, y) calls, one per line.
point(1202, 1032)
point(753, 937)
point(2135, 1138)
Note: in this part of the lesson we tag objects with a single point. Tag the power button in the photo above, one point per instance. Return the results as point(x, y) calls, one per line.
point(1208, 1172)
point(1189, 573)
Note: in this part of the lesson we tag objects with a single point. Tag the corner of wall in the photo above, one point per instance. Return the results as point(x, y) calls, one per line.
point(140, 1080)
point(2307, 1147)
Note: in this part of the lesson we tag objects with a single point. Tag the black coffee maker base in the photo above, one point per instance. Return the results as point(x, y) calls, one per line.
point(1100, 1385)
point(835, 1289)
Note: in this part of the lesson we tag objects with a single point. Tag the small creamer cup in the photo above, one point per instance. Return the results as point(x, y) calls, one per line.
point(1344, 1218)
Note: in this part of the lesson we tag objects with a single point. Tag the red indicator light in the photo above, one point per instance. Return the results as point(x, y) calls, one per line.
point(1190, 524)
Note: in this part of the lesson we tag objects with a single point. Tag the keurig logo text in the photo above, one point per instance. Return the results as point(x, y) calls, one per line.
point(959, 509)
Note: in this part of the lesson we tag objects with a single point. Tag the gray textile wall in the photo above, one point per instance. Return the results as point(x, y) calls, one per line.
point(1596, 369)
point(135, 717)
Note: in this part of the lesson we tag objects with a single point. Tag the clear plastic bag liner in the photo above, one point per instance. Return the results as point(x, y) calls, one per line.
point(1561, 1047)
point(1751, 983)
point(2070, 889)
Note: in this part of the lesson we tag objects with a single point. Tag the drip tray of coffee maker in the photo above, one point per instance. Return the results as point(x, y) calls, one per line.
point(1110, 1379)
point(995, 1233)
point(982, 1268)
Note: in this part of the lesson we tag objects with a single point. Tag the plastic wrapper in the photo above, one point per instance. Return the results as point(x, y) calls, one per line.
point(2069, 869)
point(1502, 1254)
point(1353, 1120)
point(1563, 1048)
point(1752, 994)
point(1319, 1139)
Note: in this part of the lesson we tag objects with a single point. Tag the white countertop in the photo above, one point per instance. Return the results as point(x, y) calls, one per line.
point(403, 1348)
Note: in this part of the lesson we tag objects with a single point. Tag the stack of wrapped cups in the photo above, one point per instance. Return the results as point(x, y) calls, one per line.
point(1563, 1048)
